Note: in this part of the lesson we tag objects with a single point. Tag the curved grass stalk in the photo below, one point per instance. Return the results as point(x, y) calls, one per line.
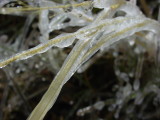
point(52, 93)
point(54, 42)
point(113, 30)
point(121, 34)
point(72, 64)
point(13, 10)
point(38, 49)
point(68, 69)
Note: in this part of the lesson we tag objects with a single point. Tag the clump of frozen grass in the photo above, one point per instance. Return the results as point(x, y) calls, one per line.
point(98, 32)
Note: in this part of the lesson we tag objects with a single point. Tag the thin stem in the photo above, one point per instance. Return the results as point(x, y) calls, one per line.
point(13, 10)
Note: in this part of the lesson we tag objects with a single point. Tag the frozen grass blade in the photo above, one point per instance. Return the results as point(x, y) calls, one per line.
point(29, 9)
point(38, 49)
point(73, 62)
point(99, 33)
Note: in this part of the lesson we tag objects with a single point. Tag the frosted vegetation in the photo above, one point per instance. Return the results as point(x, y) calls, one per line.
point(116, 21)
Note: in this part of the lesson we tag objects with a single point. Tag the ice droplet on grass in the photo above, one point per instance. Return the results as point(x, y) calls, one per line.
point(66, 42)
point(136, 84)
point(57, 22)
point(127, 90)
point(99, 105)
point(131, 42)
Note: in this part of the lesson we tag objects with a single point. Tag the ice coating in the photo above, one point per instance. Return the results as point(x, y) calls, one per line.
point(57, 23)
point(128, 7)
point(67, 42)
point(106, 3)
point(120, 37)
point(41, 48)
point(43, 25)
point(97, 33)
point(43, 21)
point(3, 2)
